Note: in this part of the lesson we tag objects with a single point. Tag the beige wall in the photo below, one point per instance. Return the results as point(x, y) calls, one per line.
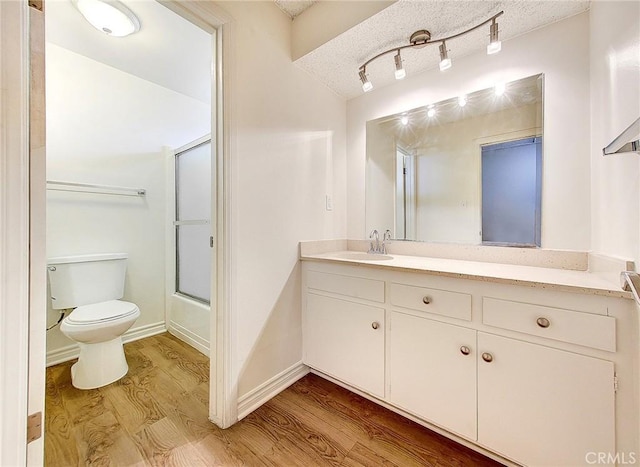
point(561, 52)
point(288, 140)
point(615, 104)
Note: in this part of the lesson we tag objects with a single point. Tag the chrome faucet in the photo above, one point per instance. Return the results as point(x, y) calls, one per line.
point(377, 248)
point(374, 247)
point(385, 238)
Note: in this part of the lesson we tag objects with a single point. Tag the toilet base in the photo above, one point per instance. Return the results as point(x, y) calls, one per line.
point(99, 364)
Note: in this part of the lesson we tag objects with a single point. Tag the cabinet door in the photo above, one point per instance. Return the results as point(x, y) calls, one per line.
point(346, 340)
point(432, 371)
point(542, 406)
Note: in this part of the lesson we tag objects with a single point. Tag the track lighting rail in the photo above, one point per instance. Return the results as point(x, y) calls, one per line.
point(423, 38)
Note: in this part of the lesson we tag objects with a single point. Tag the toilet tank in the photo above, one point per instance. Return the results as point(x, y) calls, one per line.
point(82, 280)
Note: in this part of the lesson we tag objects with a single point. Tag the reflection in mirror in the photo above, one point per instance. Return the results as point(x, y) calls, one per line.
point(464, 170)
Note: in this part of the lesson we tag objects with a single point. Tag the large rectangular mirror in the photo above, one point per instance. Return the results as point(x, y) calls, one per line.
point(464, 170)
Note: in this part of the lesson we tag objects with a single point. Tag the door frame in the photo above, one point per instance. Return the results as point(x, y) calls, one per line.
point(17, 287)
point(14, 232)
point(223, 397)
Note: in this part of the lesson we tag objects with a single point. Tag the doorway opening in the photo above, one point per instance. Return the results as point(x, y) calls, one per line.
point(511, 193)
point(108, 123)
point(405, 206)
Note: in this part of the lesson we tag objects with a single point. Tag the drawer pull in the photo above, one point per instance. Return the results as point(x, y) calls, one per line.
point(464, 350)
point(543, 322)
point(487, 357)
point(426, 299)
point(375, 325)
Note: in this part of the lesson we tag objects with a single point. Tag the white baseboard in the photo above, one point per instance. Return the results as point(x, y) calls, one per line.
point(189, 337)
point(269, 389)
point(72, 351)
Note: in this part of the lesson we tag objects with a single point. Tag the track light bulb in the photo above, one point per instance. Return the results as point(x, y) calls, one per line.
point(431, 112)
point(462, 100)
point(366, 84)
point(494, 43)
point(445, 61)
point(400, 73)
point(404, 120)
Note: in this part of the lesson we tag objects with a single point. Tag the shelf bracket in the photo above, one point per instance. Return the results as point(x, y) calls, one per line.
point(627, 142)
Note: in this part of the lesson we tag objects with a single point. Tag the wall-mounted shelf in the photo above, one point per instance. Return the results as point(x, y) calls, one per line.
point(57, 185)
point(630, 281)
point(628, 141)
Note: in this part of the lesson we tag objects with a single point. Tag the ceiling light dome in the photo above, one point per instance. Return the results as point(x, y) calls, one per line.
point(108, 16)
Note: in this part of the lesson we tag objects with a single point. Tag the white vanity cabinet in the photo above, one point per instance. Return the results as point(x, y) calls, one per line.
point(528, 374)
point(543, 406)
point(431, 371)
point(343, 329)
point(346, 340)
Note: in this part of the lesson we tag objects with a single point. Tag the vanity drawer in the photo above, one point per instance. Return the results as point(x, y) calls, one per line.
point(439, 302)
point(357, 287)
point(596, 331)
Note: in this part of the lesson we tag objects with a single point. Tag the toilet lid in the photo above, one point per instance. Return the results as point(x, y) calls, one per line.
point(103, 311)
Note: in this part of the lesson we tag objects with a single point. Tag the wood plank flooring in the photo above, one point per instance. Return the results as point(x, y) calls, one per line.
point(157, 415)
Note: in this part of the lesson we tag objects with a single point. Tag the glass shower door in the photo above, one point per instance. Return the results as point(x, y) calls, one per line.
point(193, 222)
point(190, 288)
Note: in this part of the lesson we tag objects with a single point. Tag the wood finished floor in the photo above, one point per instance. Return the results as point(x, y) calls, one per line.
point(157, 415)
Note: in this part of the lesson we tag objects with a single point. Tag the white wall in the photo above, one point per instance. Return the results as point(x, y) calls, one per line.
point(560, 51)
point(288, 140)
point(105, 126)
point(615, 104)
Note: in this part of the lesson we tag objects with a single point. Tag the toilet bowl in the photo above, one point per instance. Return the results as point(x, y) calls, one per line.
point(98, 329)
point(93, 285)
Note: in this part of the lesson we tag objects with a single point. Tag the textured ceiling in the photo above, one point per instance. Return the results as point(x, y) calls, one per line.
point(336, 62)
point(294, 7)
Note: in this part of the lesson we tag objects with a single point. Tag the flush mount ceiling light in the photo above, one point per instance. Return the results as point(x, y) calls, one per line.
point(108, 16)
point(422, 38)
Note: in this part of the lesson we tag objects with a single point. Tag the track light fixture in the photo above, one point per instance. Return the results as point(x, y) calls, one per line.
point(494, 43)
point(400, 73)
point(422, 38)
point(445, 61)
point(366, 84)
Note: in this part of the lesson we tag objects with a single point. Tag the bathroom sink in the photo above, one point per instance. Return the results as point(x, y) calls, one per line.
point(361, 256)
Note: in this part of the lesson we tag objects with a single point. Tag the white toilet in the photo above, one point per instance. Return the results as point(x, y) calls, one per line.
point(93, 285)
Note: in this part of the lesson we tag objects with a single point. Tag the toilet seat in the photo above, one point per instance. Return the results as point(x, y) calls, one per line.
point(101, 312)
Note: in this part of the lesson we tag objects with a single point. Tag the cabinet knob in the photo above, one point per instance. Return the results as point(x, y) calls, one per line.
point(487, 357)
point(543, 322)
point(464, 350)
point(426, 299)
point(375, 325)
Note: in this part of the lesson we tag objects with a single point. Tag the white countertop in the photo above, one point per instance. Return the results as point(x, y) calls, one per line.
point(531, 276)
